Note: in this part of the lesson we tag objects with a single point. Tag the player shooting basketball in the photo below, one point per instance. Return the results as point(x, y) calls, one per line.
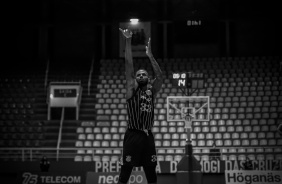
point(139, 144)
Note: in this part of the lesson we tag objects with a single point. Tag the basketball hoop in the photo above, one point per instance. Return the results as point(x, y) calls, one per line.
point(188, 109)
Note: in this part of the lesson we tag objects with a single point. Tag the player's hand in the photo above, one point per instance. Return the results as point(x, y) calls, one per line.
point(148, 48)
point(126, 33)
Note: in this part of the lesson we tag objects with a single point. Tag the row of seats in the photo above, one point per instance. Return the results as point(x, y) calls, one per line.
point(181, 150)
point(219, 106)
point(20, 105)
point(99, 144)
point(21, 123)
point(174, 124)
point(117, 115)
point(15, 111)
point(164, 126)
point(116, 75)
point(180, 135)
point(167, 157)
point(272, 96)
point(176, 140)
point(271, 129)
point(219, 96)
point(21, 143)
point(113, 91)
point(100, 136)
point(200, 142)
point(22, 136)
point(22, 129)
point(108, 89)
point(216, 101)
point(15, 116)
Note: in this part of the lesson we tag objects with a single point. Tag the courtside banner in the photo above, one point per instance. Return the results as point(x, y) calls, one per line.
point(207, 166)
point(54, 178)
point(253, 177)
point(137, 177)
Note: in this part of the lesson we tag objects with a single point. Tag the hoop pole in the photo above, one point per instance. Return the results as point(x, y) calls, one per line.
point(188, 147)
point(188, 127)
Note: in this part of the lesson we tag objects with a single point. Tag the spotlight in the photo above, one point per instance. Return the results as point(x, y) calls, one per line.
point(134, 21)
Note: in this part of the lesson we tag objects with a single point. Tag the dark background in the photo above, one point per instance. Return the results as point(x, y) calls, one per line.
point(70, 31)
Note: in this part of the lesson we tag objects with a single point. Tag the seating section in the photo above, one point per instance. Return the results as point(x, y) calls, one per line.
point(20, 134)
point(101, 143)
point(17, 98)
point(19, 126)
point(245, 100)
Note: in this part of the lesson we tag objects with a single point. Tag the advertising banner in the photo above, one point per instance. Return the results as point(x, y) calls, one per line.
point(137, 177)
point(54, 178)
point(253, 177)
point(207, 166)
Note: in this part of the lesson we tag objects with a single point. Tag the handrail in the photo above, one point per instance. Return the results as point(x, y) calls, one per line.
point(60, 132)
point(46, 74)
point(90, 76)
point(80, 95)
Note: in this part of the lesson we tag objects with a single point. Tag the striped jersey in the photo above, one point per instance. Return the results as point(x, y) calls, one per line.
point(140, 109)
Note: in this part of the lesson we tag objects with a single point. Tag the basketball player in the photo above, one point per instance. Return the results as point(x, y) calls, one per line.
point(138, 144)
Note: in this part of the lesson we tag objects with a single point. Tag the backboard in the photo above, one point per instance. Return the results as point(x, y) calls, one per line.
point(196, 108)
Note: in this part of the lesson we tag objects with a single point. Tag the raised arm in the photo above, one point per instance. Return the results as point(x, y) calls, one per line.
point(129, 68)
point(158, 81)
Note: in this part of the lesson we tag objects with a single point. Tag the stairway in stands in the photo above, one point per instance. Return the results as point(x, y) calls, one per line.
point(88, 100)
point(87, 109)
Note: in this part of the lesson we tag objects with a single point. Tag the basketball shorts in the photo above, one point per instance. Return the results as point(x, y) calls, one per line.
point(139, 149)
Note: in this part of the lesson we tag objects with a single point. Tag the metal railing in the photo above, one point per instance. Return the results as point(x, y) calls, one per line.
point(60, 132)
point(90, 77)
point(46, 74)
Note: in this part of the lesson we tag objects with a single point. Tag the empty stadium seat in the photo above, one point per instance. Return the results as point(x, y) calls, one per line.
point(78, 158)
point(81, 137)
point(80, 130)
point(79, 144)
point(87, 158)
point(96, 158)
point(96, 144)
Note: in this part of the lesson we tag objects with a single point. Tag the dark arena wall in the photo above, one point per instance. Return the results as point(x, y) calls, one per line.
point(222, 58)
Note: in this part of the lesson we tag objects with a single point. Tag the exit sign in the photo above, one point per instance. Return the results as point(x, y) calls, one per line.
point(194, 22)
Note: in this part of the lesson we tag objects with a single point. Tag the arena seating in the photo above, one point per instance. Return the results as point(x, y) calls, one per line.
point(245, 95)
point(17, 98)
point(18, 128)
point(246, 108)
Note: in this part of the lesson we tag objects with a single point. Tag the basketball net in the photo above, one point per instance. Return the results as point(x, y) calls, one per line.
point(188, 121)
